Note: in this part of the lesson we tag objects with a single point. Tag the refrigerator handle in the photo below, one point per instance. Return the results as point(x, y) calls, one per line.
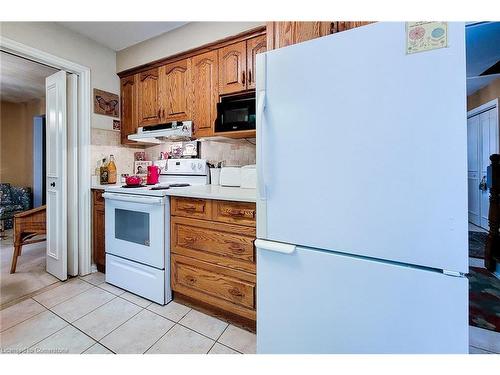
point(278, 247)
point(261, 100)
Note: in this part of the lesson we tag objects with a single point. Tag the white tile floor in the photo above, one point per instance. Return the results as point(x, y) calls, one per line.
point(87, 315)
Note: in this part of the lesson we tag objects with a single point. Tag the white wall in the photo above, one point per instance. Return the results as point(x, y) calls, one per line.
point(62, 42)
point(184, 38)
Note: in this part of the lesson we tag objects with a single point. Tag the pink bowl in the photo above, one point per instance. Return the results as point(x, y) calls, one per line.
point(133, 180)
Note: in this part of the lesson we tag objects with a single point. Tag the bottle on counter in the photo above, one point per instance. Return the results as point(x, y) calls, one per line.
point(103, 173)
point(111, 170)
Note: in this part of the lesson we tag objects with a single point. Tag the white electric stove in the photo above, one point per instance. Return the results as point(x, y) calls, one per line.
point(137, 222)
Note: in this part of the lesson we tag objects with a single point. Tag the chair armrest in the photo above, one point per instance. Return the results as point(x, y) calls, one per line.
point(31, 212)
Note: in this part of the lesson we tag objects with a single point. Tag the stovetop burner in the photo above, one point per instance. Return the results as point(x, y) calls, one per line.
point(165, 187)
point(133, 186)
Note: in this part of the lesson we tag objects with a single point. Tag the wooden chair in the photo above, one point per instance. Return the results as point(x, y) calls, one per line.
point(492, 249)
point(27, 225)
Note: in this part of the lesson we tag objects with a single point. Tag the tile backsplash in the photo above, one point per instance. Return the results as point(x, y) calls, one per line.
point(235, 152)
point(107, 142)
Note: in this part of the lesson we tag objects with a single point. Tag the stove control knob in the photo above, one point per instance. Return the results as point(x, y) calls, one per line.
point(199, 166)
point(193, 166)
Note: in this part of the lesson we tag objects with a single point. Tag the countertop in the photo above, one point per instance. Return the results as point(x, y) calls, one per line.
point(224, 193)
point(215, 192)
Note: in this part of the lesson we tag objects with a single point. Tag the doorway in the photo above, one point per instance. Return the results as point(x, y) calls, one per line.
point(78, 140)
point(482, 141)
point(23, 100)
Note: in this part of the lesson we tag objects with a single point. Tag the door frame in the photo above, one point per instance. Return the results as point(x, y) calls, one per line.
point(80, 147)
point(492, 104)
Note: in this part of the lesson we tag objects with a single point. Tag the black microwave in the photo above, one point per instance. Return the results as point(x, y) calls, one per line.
point(236, 113)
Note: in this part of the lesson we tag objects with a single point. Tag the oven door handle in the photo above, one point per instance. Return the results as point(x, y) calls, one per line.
point(134, 198)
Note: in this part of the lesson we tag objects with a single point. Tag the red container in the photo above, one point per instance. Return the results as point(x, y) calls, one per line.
point(133, 180)
point(153, 174)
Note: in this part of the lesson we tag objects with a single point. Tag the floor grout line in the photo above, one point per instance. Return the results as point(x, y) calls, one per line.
point(45, 309)
point(71, 324)
point(67, 299)
point(114, 329)
point(168, 330)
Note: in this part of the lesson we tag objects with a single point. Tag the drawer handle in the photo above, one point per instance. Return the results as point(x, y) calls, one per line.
point(189, 239)
point(241, 213)
point(188, 208)
point(235, 292)
point(190, 279)
point(236, 248)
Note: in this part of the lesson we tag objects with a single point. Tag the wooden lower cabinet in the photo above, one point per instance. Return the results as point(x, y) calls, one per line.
point(98, 238)
point(213, 261)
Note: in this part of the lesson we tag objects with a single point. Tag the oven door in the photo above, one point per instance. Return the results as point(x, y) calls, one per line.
point(137, 228)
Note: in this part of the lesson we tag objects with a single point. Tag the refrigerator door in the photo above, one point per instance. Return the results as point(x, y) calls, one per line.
point(361, 148)
point(313, 301)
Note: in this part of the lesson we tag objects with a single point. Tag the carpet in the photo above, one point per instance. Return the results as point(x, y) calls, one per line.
point(484, 299)
point(477, 242)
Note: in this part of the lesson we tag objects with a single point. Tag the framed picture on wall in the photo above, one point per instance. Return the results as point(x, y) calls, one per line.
point(106, 103)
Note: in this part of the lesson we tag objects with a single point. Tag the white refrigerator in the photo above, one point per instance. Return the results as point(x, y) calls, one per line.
point(362, 195)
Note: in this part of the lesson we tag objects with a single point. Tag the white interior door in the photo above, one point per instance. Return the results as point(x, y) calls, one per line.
point(489, 145)
point(56, 122)
point(482, 141)
point(473, 169)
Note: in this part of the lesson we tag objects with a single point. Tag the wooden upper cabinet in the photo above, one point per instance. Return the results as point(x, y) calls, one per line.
point(175, 87)
point(254, 46)
point(311, 30)
point(232, 68)
point(128, 86)
point(282, 34)
point(346, 25)
point(205, 92)
point(148, 97)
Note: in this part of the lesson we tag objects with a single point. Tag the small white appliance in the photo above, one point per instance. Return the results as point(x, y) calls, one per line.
point(169, 132)
point(137, 222)
point(230, 176)
point(249, 177)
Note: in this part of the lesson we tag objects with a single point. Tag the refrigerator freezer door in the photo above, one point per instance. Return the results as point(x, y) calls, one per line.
point(315, 301)
point(362, 148)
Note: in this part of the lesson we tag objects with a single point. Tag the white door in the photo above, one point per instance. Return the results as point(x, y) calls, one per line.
point(55, 94)
point(482, 141)
point(473, 169)
point(367, 159)
point(318, 302)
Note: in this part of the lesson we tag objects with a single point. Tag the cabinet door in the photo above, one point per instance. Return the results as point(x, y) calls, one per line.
point(98, 238)
point(254, 46)
point(175, 85)
point(346, 25)
point(205, 90)
point(282, 34)
point(148, 98)
point(232, 68)
point(310, 30)
point(128, 108)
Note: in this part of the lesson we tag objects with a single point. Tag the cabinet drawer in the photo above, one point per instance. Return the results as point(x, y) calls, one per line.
point(223, 244)
point(242, 213)
point(212, 284)
point(189, 207)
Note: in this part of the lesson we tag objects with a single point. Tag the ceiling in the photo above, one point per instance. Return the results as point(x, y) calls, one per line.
point(483, 51)
point(22, 80)
point(120, 35)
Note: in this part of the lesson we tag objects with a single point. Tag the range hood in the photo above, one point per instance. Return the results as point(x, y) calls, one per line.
point(169, 132)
